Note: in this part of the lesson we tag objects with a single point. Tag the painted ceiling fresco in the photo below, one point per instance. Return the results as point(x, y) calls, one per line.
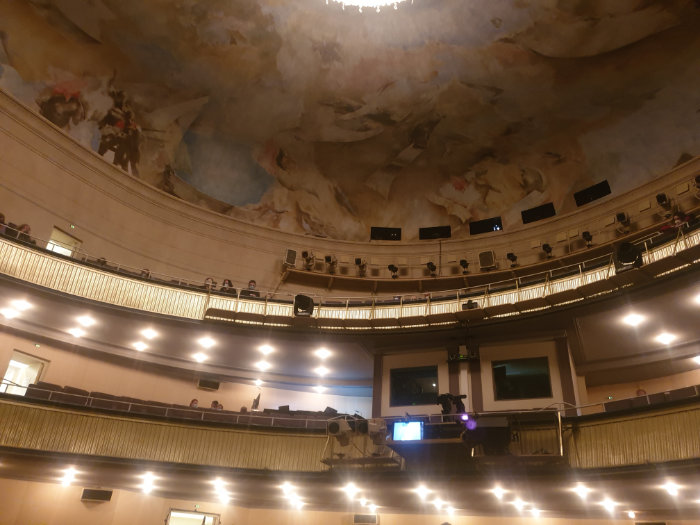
point(308, 118)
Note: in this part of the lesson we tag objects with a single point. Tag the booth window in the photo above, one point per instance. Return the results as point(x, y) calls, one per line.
point(526, 378)
point(184, 517)
point(414, 386)
point(22, 371)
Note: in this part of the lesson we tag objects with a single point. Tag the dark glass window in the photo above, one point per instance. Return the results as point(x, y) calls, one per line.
point(414, 386)
point(521, 379)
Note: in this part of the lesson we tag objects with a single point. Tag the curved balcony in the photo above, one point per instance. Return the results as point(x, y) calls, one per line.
point(484, 296)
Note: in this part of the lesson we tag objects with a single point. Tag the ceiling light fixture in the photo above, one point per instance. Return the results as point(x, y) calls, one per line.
point(68, 476)
point(665, 338)
point(321, 371)
point(86, 321)
point(76, 332)
point(149, 333)
point(200, 357)
point(609, 505)
point(266, 349)
point(21, 305)
point(631, 514)
point(535, 512)
point(373, 4)
point(582, 491)
point(633, 319)
point(262, 365)
point(351, 490)
point(9, 313)
point(671, 488)
point(422, 491)
point(498, 492)
point(320, 389)
point(148, 485)
point(206, 342)
point(450, 510)
point(372, 508)
point(258, 382)
point(323, 353)
point(221, 491)
point(140, 346)
point(518, 504)
point(697, 359)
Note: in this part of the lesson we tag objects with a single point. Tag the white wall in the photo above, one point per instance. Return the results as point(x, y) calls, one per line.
point(90, 373)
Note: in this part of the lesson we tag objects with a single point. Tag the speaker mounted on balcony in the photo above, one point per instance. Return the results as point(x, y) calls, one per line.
point(303, 306)
point(487, 260)
point(627, 257)
point(290, 258)
point(208, 384)
point(96, 495)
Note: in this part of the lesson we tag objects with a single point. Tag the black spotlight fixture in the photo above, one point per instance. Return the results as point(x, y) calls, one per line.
point(546, 248)
point(663, 201)
point(361, 266)
point(331, 264)
point(513, 259)
point(470, 305)
point(431, 268)
point(588, 238)
point(465, 265)
point(394, 271)
point(309, 260)
point(622, 218)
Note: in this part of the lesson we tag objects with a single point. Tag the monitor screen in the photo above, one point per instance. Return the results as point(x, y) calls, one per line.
point(408, 430)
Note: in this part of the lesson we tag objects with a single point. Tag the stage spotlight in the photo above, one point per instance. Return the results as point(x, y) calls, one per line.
point(513, 259)
point(546, 248)
point(588, 238)
point(622, 218)
point(394, 271)
point(361, 266)
point(464, 264)
point(331, 264)
point(340, 429)
point(470, 305)
point(309, 260)
point(663, 201)
point(431, 268)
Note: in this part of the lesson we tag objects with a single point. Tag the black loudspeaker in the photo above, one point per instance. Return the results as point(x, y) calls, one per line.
point(303, 306)
point(595, 192)
point(96, 495)
point(491, 432)
point(435, 232)
point(290, 258)
point(384, 234)
point(208, 384)
point(284, 408)
point(493, 224)
point(537, 214)
point(627, 257)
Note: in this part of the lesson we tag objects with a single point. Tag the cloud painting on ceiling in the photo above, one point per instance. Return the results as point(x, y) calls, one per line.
point(308, 118)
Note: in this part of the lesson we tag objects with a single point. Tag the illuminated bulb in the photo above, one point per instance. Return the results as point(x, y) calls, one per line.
point(320, 389)
point(665, 338)
point(631, 514)
point(608, 505)
point(535, 512)
point(68, 476)
point(450, 510)
point(9, 313)
point(140, 346)
point(498, 492)
point(21, 305)
point(323, 353)
point(147, 484)
point(363, 502)
point(298, 504)
point(258, 382)
point(519, 504)
point(206, 342)
point(263, 365)
point(671, 488)
point(633, 319)
point(697, 359)
point(221, 491)
point(200, 357)
point(438, 503)
point(76, 332)
point(372, 508)
point(422, 491)
point(697, 298)
point(86, 321)
point(266, 349)
point(582, 491)
point(321, 370)
point(351, 490)
point(149, 333)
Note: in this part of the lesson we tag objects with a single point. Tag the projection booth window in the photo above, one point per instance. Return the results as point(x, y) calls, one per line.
point(414, 386)
point(521, 379)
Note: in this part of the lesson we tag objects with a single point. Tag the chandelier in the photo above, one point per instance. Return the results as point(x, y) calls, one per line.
point(374, 4)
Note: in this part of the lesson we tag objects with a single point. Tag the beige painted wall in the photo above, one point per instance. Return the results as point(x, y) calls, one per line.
point(32, 503)
point(47, 180)
point(599, 394)
point(430, 357)
point(490, 353)
point(93, 374)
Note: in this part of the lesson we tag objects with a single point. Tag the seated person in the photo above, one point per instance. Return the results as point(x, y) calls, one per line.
point(215, 404)
point(251, 291)
point(194, 403)
point(25, 234)
point(209, 283)
point(227, 287)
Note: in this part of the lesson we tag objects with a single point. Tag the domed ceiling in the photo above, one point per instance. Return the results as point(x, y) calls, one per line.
point(310, 118)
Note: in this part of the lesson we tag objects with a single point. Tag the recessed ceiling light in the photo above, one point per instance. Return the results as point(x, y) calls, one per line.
point(68, 476)
point(262, 365)
point(582, 491)
point(633, 319)
point(351, 490)
point(450, 510)
point(323, 353)
point(266, 349)
point(76, 332)
point(608, 505)
point(498, 492)
point(535, 512)
point(372, 508)
point(139, 345)
point(149, 333)
point(258, 382)
point(697, 359)
point(671, 488)
point(320, 389)
point(422, 491)
point(665, 338)
point(206, 342)
point(518, 504)
point(631, 514)
point(147, 485)
point(321, 370)
point(438, 503)
point(200, 357)
point(9, 313)
point(85, 320)
point(697, 298)
point(21, 305)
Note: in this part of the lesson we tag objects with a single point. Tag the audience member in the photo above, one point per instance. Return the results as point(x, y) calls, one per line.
point(194, 403)
point(146, 273)
point(251, 291)
point(227, 286)
point(209, 283)
point(25, 234)
point(215, 404)
point(219, 406)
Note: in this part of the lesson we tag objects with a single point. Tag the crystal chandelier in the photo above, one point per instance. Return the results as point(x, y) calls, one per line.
point(374, 4)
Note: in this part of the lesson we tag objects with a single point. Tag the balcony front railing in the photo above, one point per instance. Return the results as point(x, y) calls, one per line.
point(506, 297)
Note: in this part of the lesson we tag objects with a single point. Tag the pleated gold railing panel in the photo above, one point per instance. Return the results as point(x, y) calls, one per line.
point(63, 430)
point(655, 437)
